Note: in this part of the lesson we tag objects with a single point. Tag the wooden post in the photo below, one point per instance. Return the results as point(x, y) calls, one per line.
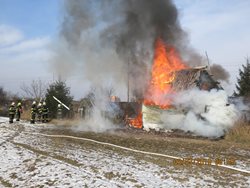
point(208, 62)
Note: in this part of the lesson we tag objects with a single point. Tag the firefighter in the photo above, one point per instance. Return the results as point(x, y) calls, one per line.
point(45, 113)
point(33, 112)
point(12, 111)
point(39, 111)
point(19, 110)
point(59, 111)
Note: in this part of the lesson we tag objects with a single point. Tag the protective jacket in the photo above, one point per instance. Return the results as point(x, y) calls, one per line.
point(45, 112)
point(12, 111)
point(33, 112)
point(19, 110)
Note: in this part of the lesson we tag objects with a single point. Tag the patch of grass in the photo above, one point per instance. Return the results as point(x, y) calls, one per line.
point(239, 133)
point(94, 169)
point(110, 175)
point(50, 182)
point(25, 115)
point(5, 182)
point(48, 154)
point(181, 179)
point(31, 168)
point(13, 175)
point(132, 180)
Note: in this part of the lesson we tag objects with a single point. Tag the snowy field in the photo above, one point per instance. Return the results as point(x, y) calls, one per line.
point(30, 160)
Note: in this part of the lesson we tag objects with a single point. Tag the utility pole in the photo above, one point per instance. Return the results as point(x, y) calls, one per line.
point(128, 84)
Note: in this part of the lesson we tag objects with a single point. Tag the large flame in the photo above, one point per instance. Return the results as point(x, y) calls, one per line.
point(166, 62)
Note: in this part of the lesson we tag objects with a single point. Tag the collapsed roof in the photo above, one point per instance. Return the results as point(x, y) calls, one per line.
point(194, 77)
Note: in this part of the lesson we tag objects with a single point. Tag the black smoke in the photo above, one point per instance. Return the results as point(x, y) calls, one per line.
point(110, 39)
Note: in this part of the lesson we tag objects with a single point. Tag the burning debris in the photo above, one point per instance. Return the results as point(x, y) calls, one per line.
point(172, 82)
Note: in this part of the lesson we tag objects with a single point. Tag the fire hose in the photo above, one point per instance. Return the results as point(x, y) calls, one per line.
point(133, 150)
point(61, 103)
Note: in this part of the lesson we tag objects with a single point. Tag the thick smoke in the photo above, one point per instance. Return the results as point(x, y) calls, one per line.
point(219, 73)
point(205, 113)
point(111, 40)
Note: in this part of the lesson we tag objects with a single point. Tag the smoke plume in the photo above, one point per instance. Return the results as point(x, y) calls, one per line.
point(206, 113)
point(111, 40)
point(95, 119)
point(219, 73)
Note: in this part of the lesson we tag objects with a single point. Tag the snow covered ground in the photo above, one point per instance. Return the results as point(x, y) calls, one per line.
point(29, 160)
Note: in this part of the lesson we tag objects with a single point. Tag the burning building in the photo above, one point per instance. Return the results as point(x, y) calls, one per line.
point(169, 76)
point(113, 40)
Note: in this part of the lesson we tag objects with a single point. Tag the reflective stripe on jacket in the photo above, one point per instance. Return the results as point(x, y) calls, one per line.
point(12, 110)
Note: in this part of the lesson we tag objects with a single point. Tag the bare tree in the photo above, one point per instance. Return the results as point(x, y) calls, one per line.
point(36, 90)
point(109, 91)
point(105, 93)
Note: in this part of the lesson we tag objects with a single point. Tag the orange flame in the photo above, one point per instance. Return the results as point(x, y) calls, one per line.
point(166, 63)
point(136, 122)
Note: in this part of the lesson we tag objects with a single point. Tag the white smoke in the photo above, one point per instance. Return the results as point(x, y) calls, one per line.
point(206, 113)
point(96, 120)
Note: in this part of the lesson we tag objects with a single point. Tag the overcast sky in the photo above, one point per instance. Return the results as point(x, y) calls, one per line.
point(28, 27)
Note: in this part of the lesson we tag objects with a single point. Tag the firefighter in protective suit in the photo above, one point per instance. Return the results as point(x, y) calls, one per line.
point(12, 111)
point(45, 113)
point(59, 111)
point(33, 112)
point(19, 110)
point(39, 111)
